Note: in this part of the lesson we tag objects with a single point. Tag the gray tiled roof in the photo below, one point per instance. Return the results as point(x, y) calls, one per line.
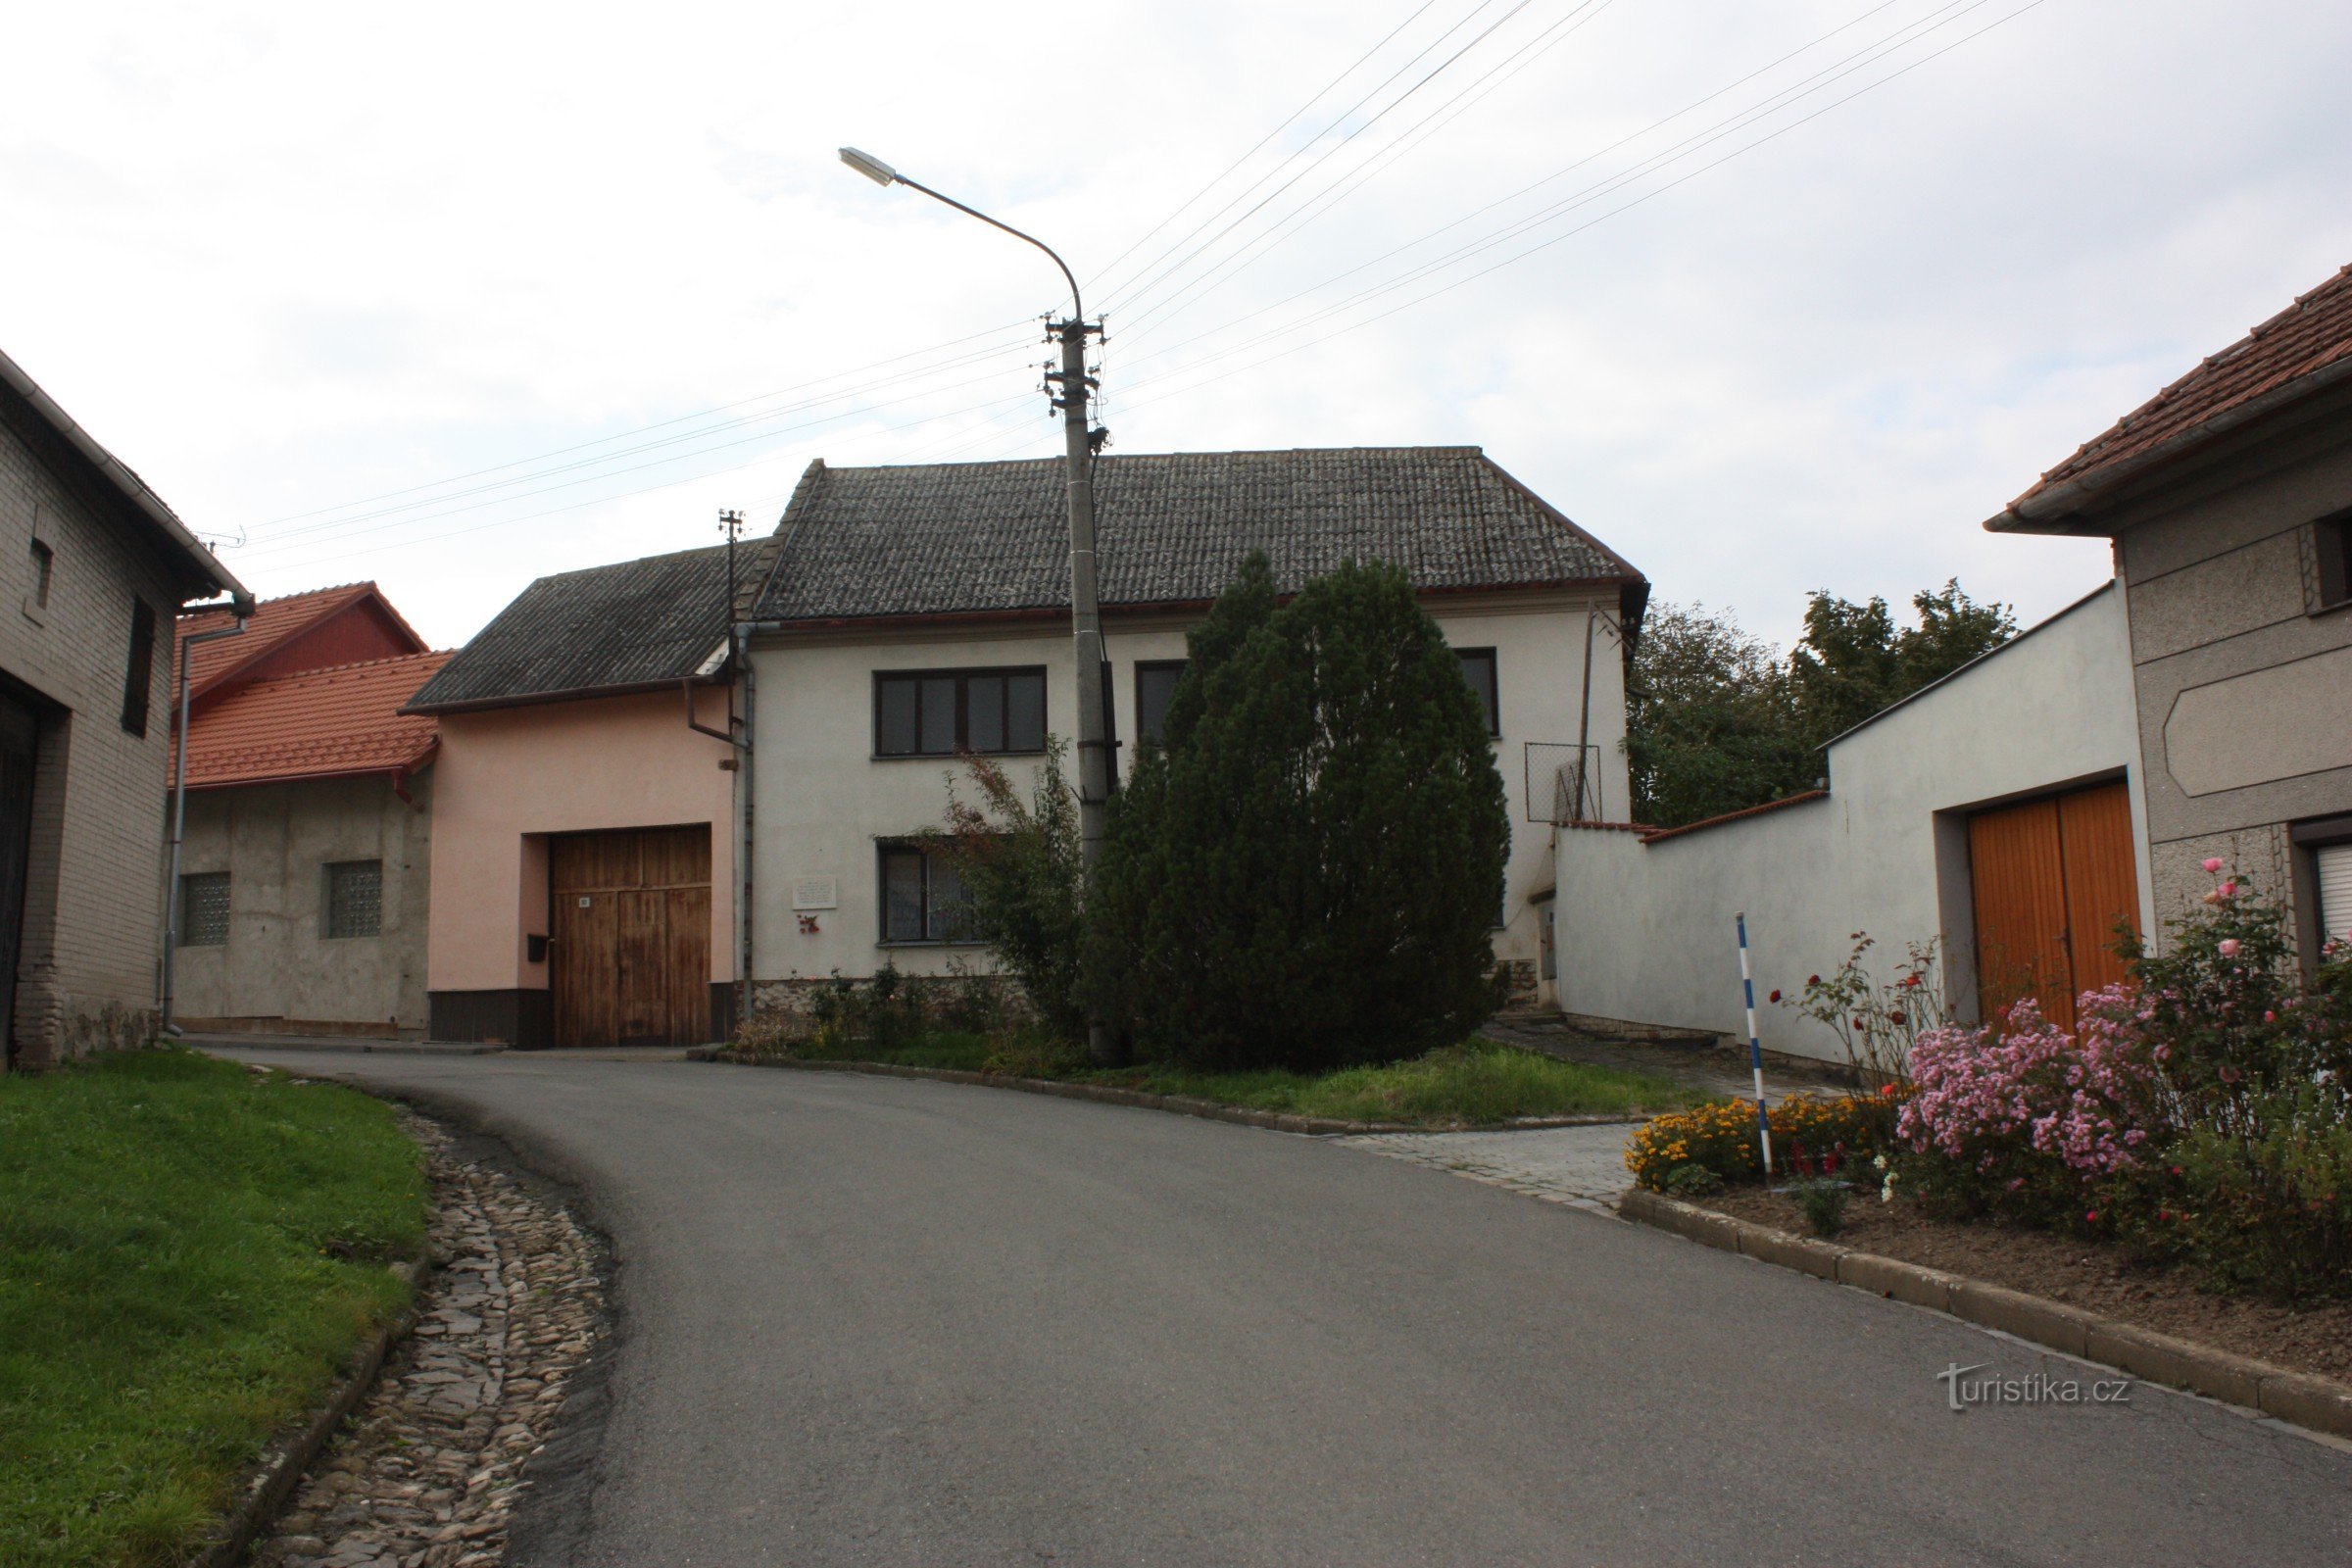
point(609, 629)
point(945, 539)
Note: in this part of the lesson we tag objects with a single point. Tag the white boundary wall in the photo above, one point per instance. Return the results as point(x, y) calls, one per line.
point(1644, 930)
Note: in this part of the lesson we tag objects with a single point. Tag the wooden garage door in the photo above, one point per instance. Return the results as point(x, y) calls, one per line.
point(2052, 878)
point(630, 922)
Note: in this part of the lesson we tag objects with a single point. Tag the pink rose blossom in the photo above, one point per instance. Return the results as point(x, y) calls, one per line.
point(2228, 948)
point(2214, 865)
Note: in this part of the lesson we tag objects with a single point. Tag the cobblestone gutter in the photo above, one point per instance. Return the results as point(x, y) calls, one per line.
point(427, 1471)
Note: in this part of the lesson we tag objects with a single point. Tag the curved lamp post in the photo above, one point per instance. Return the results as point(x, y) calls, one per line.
point(1086, 612)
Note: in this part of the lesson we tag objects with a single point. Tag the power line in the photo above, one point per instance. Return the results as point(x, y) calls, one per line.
point(625, 495)
point(1545, 244)
point(659, 424)
point(1689, 145)
point(340, 525)
point(1293, 118)
point(1346, 183)
point(1302, 149)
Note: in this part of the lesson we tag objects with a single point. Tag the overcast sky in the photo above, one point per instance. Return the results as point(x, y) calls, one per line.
point(313, 269)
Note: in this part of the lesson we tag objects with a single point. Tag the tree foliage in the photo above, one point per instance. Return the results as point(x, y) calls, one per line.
point(1717, 722)
point(1306, 872)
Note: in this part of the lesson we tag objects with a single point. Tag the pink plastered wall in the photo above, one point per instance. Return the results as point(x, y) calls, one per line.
point(507, 777)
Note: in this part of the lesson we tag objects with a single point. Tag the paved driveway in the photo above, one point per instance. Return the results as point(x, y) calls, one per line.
point(868, 1320)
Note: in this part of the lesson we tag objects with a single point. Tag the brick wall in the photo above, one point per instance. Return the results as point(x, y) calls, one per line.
point(88, 960)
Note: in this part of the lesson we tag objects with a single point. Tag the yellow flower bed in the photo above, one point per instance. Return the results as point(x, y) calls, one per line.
point(1720, 1136)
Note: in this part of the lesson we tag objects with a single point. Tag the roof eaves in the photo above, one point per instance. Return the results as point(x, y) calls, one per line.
point(120, 477)
point(2065, 507)
point(575, 694)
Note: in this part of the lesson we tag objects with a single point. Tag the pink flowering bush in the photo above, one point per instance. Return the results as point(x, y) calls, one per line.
point(2023, 1117)
point(2203, 1111)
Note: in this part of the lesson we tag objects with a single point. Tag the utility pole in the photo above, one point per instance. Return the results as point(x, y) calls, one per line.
point(1086, 609)
point(1086, 612)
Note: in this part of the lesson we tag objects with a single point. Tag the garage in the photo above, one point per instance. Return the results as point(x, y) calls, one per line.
point(630, 928)
point(2054, 881)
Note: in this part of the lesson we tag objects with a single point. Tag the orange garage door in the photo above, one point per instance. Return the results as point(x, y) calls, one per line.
point(2055, 882)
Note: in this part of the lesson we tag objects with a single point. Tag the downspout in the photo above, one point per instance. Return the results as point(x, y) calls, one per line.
point(170, 1024)
point(742, 898)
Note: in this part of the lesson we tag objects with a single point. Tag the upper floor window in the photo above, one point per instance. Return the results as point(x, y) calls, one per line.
point(204, 909)
point(1154, 684)
point(1477, 669)
point(939, 713)
point(44, 567)
point(2335, 539)
point(355, 897)
point(140, 677)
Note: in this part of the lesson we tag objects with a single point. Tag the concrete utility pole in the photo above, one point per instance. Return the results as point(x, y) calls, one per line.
point(1094, 772)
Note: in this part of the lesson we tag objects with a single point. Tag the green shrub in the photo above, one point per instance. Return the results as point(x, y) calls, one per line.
point(2271, 1209)
point(1690, 1181)
point(1034, 1053)
point(1305, 875)
point(1822, 1201)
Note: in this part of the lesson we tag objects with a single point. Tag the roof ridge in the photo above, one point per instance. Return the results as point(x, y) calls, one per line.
point(346, 667)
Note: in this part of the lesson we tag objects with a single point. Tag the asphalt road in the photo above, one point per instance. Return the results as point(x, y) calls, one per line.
point(867, 1320)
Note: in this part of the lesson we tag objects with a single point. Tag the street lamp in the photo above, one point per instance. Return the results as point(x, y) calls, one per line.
point(1086, 611)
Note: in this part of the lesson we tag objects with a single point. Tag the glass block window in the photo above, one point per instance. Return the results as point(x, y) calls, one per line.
point(923, 898)
point(204, 910)
point(355, 897)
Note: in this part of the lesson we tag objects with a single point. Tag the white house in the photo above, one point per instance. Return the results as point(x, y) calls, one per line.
point(902, 615)
point(1999, 814)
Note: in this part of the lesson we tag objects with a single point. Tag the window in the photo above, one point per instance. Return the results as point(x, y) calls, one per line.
point(1154, 683)
point(204, 910)
point(355, 897)
point(923, 898)
point(44, 565)
point(1477, 669)
point(939, 713)
point(140, 677)
point(2335, 539)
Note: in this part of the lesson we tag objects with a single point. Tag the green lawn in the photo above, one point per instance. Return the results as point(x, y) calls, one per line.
point(188, 1254)
point(1474, 1084)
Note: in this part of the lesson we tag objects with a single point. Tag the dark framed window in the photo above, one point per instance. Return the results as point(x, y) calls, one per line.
point(139, 679)
point(1477, 669)
point(1154, 683)
point(923, 900)
point(355, 897)
point(2334, 536)
point(204, 909)
point(938, 712)
point(44, 567)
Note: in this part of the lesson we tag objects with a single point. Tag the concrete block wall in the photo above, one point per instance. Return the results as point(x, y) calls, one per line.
point(279, 968)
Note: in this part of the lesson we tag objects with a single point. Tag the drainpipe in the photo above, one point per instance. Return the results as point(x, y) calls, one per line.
point(743, 897)
point(179, 824)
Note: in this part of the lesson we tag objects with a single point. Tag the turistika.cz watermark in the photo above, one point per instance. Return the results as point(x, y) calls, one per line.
point(2034, 1387)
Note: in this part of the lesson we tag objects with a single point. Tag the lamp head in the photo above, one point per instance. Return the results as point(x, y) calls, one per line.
point(872, 168)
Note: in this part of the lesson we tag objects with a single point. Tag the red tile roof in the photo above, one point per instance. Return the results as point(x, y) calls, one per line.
point(274, 624)
point(2301, 341)
point(323, 723)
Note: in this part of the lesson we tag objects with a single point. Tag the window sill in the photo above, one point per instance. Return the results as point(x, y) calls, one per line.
point(960, 942)
point(942, 757)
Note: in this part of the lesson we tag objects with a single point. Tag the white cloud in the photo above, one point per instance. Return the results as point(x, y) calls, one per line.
point(286, 259)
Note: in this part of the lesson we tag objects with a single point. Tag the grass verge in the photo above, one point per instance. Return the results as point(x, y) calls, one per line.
point(188, 1254)
point(1479, 1083)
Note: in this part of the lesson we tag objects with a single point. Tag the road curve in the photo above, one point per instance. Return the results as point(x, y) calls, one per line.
point(869, 1320)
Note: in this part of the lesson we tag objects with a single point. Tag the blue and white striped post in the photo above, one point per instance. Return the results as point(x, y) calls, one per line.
point(1755, 1046)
